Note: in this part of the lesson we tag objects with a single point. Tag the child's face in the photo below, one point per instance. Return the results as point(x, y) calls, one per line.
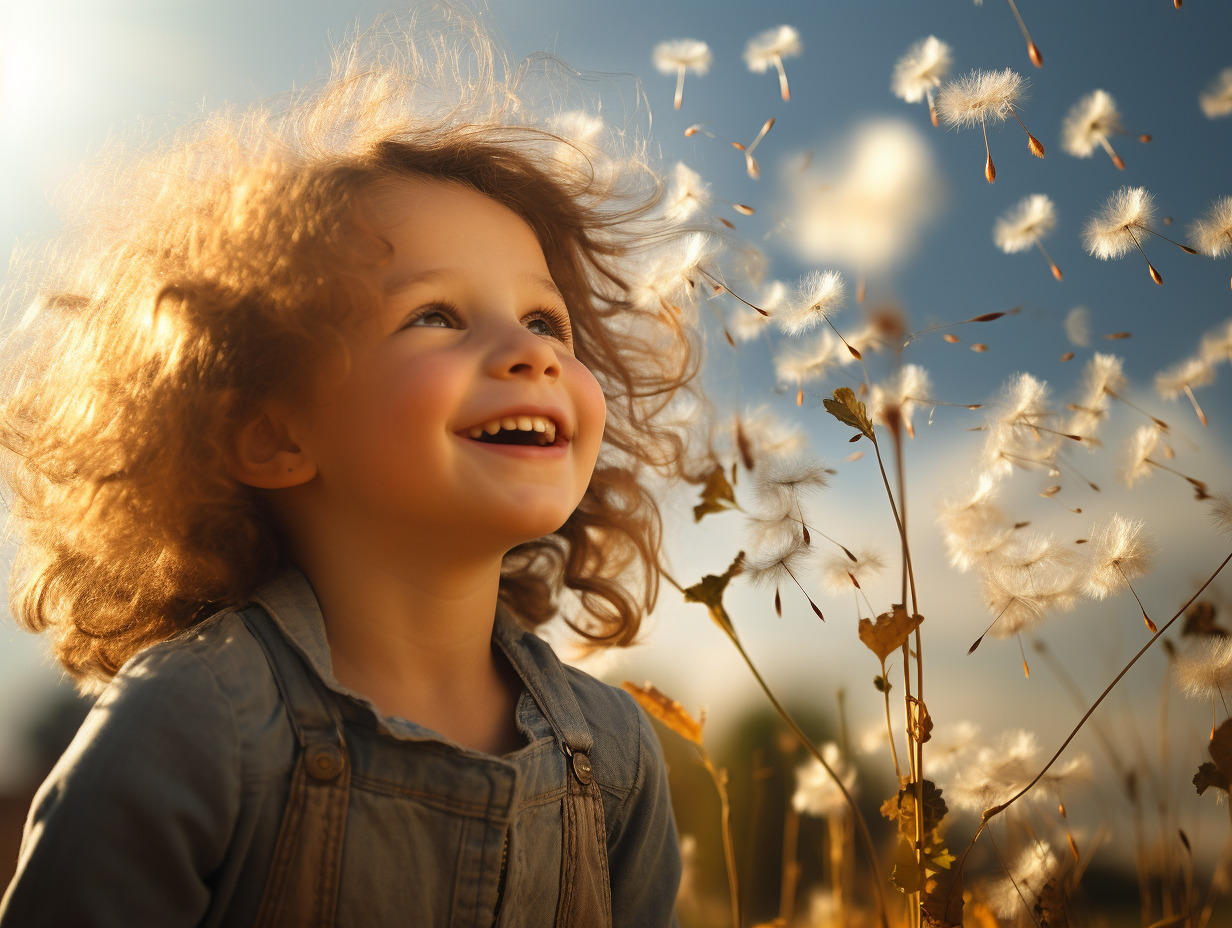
point(471, 335)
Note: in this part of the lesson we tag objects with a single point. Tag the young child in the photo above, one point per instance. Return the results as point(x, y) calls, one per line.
point(301, 443)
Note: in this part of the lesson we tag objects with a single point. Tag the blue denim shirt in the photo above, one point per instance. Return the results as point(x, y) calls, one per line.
point(166, 808)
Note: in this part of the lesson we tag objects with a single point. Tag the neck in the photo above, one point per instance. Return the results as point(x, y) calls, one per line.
point(410, 627)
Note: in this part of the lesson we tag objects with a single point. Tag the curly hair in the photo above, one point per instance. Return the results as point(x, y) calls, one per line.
point(221, 269)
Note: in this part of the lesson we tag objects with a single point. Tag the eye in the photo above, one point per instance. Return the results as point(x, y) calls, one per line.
point(438, 316)
point(551, 323)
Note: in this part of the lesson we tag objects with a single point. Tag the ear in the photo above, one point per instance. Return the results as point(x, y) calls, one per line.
point(265, 455)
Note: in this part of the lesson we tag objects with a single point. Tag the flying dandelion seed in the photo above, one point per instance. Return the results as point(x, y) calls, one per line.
point(819, 295)
point(1183, 377)
point(1138, 461)
point(1216, 345)
point(1204, 671)
point(1216, 99)
point(898, 397)
point(797, 364)
point(1089, 123)
point(1117, 228)
point(1025, 581)
point(686, 195)
point(974, 527)
point(920, 71)
point(750, 163)
point(1078, 326)
point(1212, 234)
point(817, 794)
point(1120, 553)
point(1019, 430)
point(983, 97)
point(769, 48)
point(998, 771)
point(748, 324)
point(1033, 51)
point(1221, 511)
point(680, 55)
point(1019, 889)
point(672, 282)
point(840, 574)
point(1103, 378)
point(1025, 225)
point(784, 482)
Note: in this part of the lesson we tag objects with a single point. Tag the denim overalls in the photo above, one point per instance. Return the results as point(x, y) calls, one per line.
point(226, 779)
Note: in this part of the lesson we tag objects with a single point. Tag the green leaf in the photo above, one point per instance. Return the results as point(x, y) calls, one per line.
point(709, 592)
point(849, 410)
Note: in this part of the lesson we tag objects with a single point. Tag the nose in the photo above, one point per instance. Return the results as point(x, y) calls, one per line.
point(518, 352)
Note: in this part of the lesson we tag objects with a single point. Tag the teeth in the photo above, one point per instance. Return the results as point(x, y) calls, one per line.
point(541, 424)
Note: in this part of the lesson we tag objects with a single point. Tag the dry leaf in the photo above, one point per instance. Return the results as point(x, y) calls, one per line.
point(849, 410)
point(709, 592)
point(660, 706)
point(919, 722)
point(890, 631)
point(942, 902)
point(717, 494)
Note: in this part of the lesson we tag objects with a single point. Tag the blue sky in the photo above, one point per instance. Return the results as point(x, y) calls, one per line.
point(76, 73)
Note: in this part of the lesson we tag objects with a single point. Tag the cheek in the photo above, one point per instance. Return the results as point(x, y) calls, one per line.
point(590, 403)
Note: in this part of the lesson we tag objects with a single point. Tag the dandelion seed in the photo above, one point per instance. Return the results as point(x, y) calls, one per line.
point(975, 529)
point(1024, 225)
point(783, 482)
point(797, 364)
point(777, 563)
point(898, 397)
point(1078, 326)
point(1216, 345)
point(749, 324)
point(1000, 770)
point(1212, 234)
point(1141, 446)
point(982, 97)
point(1089, 123)
point(1019, 430)
point(681, 55)
point(769, 436)
point(1221, 511)
point(920, 72)
point(686, 195)
point(1103, 378)
point(1205, 670)
point(1216, 100)
point(1019, 889)
point(841, 574)
point(1026, 580)
point(1033, 51)
point(769, 48)
point(672, 281)
point(817, 793)
point(1116, 230)
point(818, 295)
point(1120, 553)
point(949, 743)
point(1182, 378)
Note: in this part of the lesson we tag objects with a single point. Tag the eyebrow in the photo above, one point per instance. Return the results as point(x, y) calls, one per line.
point(400, 284)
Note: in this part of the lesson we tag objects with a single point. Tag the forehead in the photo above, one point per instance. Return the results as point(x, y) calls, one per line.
point(436, 225)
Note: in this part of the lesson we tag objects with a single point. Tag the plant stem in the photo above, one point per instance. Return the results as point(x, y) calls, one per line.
point(809, 746)
point(729, 851)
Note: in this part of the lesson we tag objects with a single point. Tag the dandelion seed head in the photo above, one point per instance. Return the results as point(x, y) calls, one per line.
point(1189, 372)
point(1221, 511)
point(1024, 581)
point(1138, 453)
point(1204, 670)
point(1015, 437)
point(1104, 374)
point(1111, 232)
point(974, 526)
point(837, 569)
point(1020, 228)
point(1089, 122)
point(1120, 552)
point(770, 436)
point(949, 743)
point(1078, 326)
point(1216, 345)
point(777, 562)
point(764, 48)
point(1216, 99)
point(1212, 234)
point(1019, 888)
point(908, 388)
point(816, 793)
point(866, 203)
point(691, 54)
point(782, 481)
point(980, 97)
point(818, 296)
point(686, 195)
point(995, 773)
point(924, 66)
point(675, 273)
point(798, 363)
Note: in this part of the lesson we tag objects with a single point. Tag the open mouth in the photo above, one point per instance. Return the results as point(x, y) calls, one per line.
point(536, 431)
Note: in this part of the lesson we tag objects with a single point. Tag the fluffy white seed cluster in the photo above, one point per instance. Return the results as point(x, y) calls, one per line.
point(1115, 230)
point(817, 793)
point(980, 97)
point(1204, 670)
point(674, 54)
point(1212, 234)
point(1023, 225)
point(1216, 99)
point(767, 49)
point(1089, 123)
point(819, 295)
point(921, 69)
point(1120, 553)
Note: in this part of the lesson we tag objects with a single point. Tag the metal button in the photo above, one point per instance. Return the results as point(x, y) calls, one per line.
point(325, 761)
point(582, 769)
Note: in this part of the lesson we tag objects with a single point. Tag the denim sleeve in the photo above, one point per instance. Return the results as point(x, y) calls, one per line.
point(643, 849)
point(139, 810)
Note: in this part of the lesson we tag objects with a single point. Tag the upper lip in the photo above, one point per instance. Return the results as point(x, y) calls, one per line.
point(564, 427)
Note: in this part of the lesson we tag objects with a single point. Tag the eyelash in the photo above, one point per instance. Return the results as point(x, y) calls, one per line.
point(557, 319)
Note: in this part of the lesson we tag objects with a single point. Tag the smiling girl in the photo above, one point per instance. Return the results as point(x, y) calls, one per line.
point(304, 435)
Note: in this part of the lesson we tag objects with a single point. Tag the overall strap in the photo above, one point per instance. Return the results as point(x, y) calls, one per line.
point(585, 887)
point(302, 887)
